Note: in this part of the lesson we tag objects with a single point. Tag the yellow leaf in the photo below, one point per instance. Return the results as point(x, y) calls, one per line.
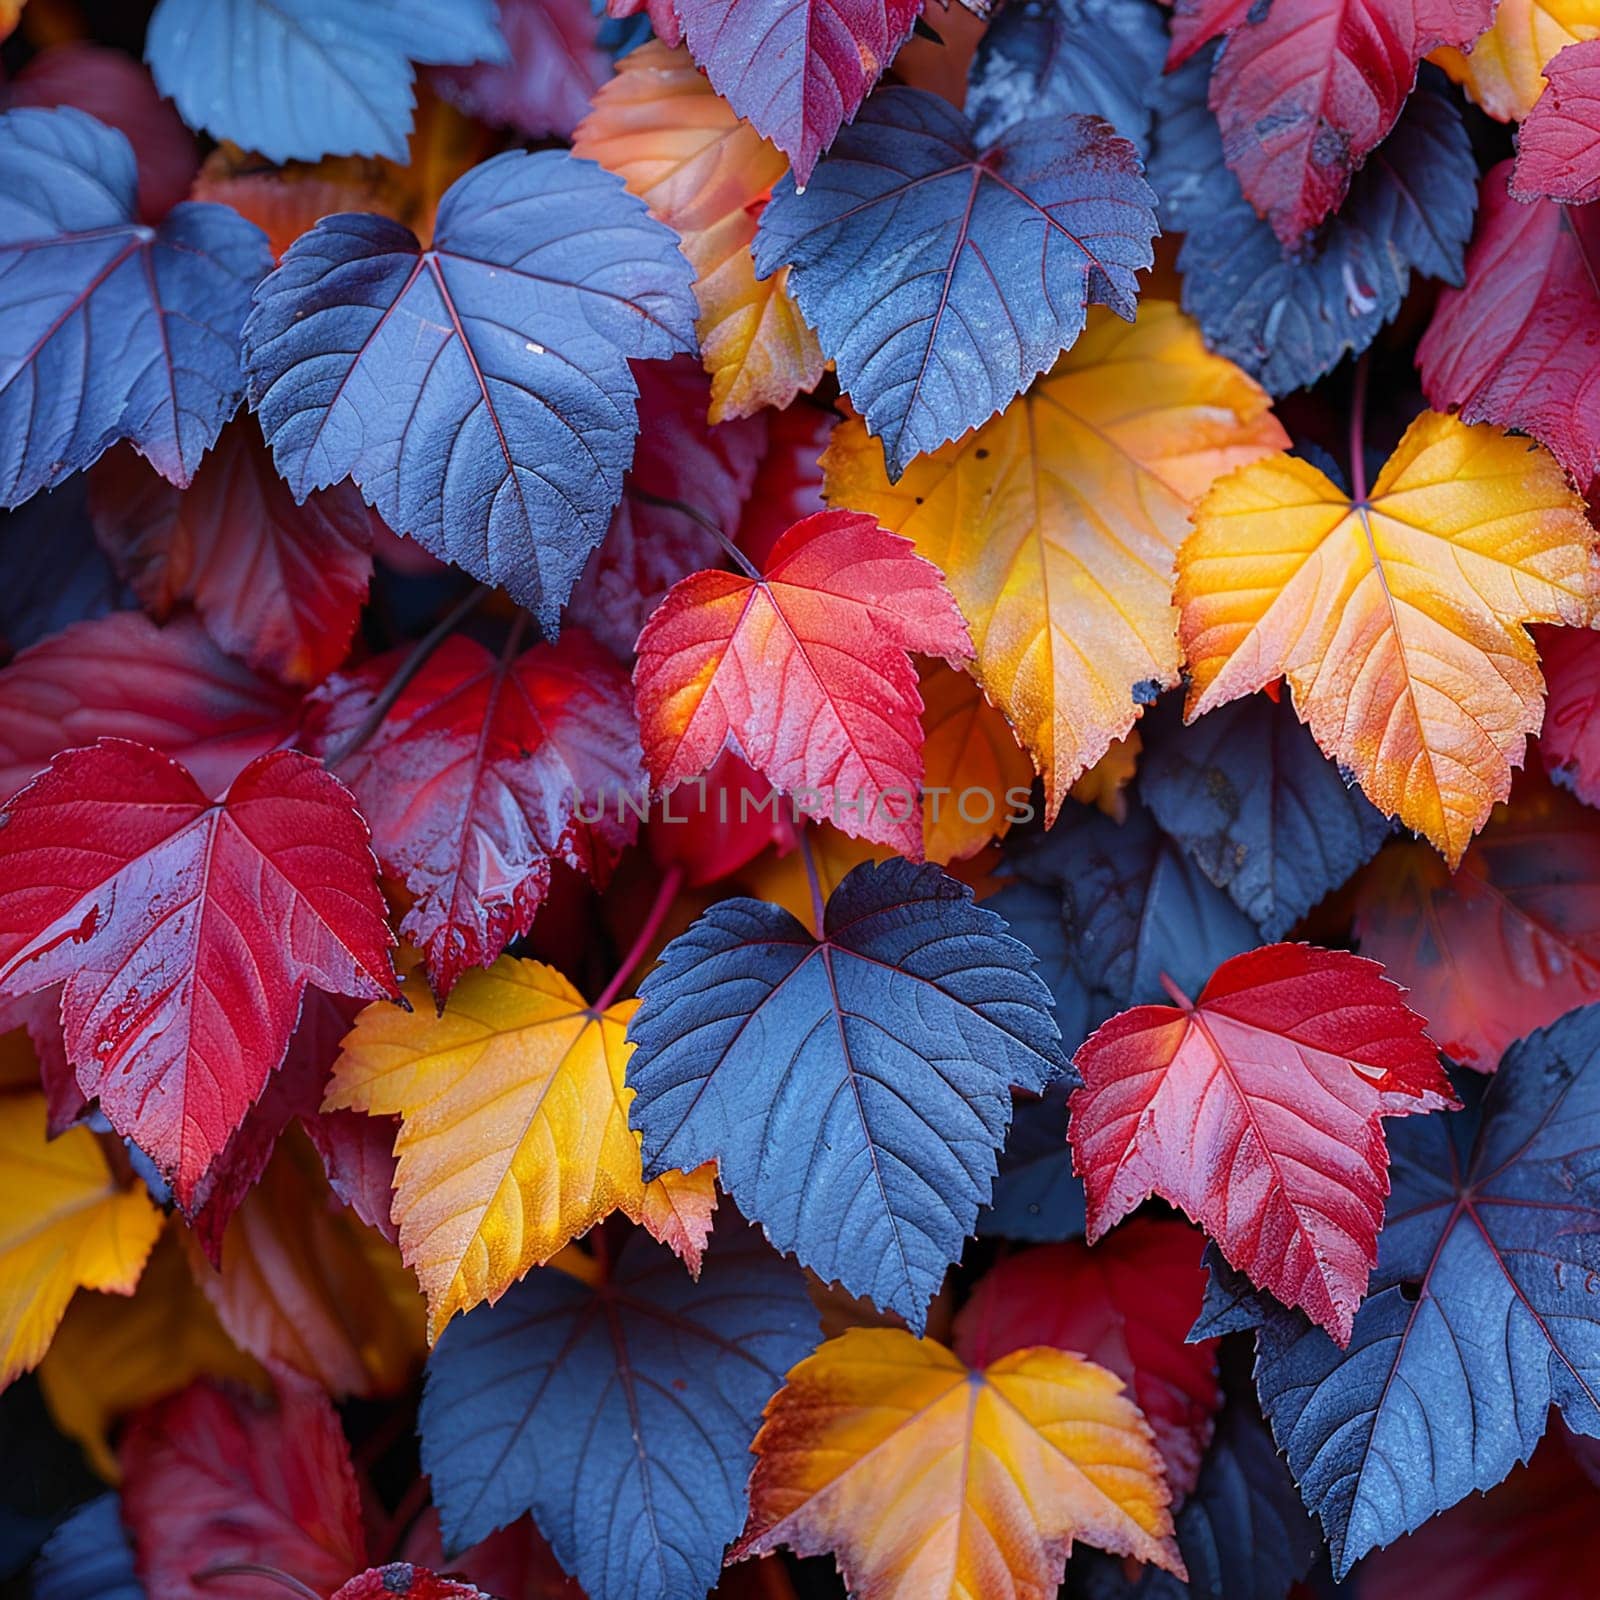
point(1398, 622)
point(113, 1355)
point(306, 1283)
point(975, 774)
point(1504, 72)
point(928, 1481)
point(1056, 523)
point(514, 1135)
point(662, 128)
point(65, 1224)
point(1103, 784)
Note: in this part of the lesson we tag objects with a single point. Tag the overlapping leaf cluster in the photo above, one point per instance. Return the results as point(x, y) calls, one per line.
point(762, 796)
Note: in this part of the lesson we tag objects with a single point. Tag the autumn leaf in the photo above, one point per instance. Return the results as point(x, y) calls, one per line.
point(705, 172)
point(65, 1224)
point(514, 1135)
point(979, 1482)
point(1056, 525)
point(1399, 618)
point(804, 667)
point(1256, 1110)
point(1504, 70)
point(975, 775)
point(1558, 147)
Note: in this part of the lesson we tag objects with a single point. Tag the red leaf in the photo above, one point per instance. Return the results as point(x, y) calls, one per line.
point(214, 1478)
point(358, 1155)
point(473, 782)
point(277, 584)
point(123, 677)
point(1256, 1111)
point(118, 90)
point(805, 670)
point(545, 88)
point(1570, 739)
point(681, 456)
point(1307, 92)
point(513, 1563)
point(1508, 943)
point(797, 69)
point(1517, 344)
point(788, 482)
point(186, 929)
point(1558, 147)
point(1198, 22)
point(714, 825)
point(1128, 1304)
point(402, 1581)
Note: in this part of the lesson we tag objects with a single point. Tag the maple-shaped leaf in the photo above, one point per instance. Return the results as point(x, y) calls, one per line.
point(1558, 147)
point(116, 90)
point(65, 1224)
point(1268, 817)
point(798, 70)
point(114, 1354)
point(1504, 70)
point(484, 772)
point(929, 1481)
point(804, 669)
point(514, 1135)
point(1256, 1110)
point(278, 585)
point(88, 1557)
point(1512, 345)
point(1037, 1196)
point(796, 1061)
point(1505, 944)
point(301, 79)
point(1056, 525)
point(1127, 1305)
point(1111, 909)
point(1289, 318)
point(555, 66)
point(114, 330)
point(402, 1579)
point(705, 172)
point(976, 777)
point(943, 277)
point(1482, 1312)
point(304, 1285)
point(493, 364)
point(186, 930)
point(1569, 741)
point(619, 1411)
point(1398, 619)
point(708, 468)
point(216, 1478)
point(1308, 89)
point(1064, 57)
point(121, 676)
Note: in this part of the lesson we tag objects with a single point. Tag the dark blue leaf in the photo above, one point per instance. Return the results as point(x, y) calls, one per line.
point(87, 1558)
point(1287, 320)
point(1055, 57)
point(1037, 1196)
point(110, 329)
point(620, 1414)
point(478, 391)
point(56, 573)
point(297, 80)
point(854, 1090)
point(1483, 1310)
point(1108, 907)
point(1247, 792)
point(941, 278)
point(1232, 1304)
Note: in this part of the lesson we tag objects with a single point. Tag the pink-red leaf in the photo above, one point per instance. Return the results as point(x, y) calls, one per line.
point(186, 930)
point(1558, 147)
point(1570, 738)
point(402, 1581)
point(474, 781)
point(805, 670)
point(1256, 1110)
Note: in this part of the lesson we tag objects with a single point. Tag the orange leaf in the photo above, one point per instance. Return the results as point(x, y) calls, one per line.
point(971, 762)
point(1399, 622)
point(928, 1481)
point(1504, 71)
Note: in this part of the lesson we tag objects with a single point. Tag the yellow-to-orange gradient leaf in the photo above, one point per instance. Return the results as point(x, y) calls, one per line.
point(65, 1224)
point(1056, 523)
point(514, 1135)
point(1399, 623)
point(1105, 784)
point(662, 128)
point(930, 1482)
point(1504, 72)
point(970, 761)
